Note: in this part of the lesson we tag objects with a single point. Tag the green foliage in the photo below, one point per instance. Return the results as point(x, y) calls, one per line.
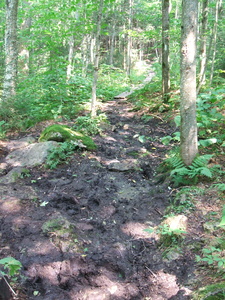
point(167, 139)
point(180, 174)
point(183, 200)
point(210, 117)
point(111, 82)
point(222, 222)
point(12, 266)
point(52, 225)
point(211, 292)
point(2, 130)
point(60, 154)
point(88, 125)
point(212, 256)
point(220, 187)
point(170, 237)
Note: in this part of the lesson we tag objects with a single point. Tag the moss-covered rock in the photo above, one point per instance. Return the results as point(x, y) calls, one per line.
point(62, 133)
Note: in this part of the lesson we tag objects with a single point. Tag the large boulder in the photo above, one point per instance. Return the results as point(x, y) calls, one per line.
point(30, 156)
point(62, 133)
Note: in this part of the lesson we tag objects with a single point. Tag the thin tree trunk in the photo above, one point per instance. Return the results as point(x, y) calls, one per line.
point(24, 53)
point(70, 58)
point(203, 54)
point(96, 59)
point(11, 50)
point(188, 130)
point(112, 44)
point(165, 50)
point(214, 38)
point(129, 40)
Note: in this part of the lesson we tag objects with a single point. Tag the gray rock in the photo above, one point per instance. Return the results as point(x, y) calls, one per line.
point(30, 156)
point(13, 175)
point(126, 165)
point(21, 143)
point(14, 193)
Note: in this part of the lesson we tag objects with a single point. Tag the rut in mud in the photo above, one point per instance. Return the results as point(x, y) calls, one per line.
point(81, 237)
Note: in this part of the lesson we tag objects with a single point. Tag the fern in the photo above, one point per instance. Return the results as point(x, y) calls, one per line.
point(180, 174)
point(220, 187)
point(206, 172)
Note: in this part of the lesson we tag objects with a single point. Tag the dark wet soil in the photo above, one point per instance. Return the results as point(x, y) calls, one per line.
point(81, 237)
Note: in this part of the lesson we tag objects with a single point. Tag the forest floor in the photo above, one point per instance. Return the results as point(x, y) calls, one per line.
point(82, 236)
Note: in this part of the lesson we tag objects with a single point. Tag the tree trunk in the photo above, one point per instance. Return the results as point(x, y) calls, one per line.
point(112, 44)
point(96, 59)
point(214, 38)
point(203, 54)
point(129, 40)
point(70, 57)
point(11, 50)
point(189, 144)
point(165, 50)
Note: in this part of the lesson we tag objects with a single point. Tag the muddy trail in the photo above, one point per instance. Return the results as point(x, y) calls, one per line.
point(78, 230)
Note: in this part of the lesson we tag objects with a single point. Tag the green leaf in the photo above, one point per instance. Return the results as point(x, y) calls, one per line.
point(149, 230)
point(141, 139)
point(208, 142)
point(206, 172)
point(166, 140)
point(220, 263)
point(177, 120)
point(12, 264)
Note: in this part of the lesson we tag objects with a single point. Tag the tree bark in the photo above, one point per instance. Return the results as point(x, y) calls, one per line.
point(203, 54)
point(189, 143)
point(96, 59)
point(214, 38)
point(165, 50)
point(70, 58)
point(11, 50)
point(129, 39)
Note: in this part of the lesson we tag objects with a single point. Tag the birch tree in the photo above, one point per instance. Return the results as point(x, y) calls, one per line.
point(189, 144)
point(11, 50)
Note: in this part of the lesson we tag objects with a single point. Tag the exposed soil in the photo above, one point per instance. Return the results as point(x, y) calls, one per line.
point(95, 247)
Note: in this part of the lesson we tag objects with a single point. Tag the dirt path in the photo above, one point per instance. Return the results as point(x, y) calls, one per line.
point(79, 230)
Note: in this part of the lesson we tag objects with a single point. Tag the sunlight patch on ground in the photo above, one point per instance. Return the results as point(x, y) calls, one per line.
point(10, 205)
point(137, 230)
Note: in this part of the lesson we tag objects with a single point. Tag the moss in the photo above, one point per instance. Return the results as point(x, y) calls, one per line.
point(213, 291)
point(62, 133)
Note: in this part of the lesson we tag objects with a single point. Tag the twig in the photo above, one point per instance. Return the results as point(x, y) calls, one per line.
point(155, 116)
point(11, 289)
point(153, 274)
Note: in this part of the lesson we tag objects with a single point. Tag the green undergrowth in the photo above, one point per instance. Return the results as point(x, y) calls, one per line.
point(174, 170)
point(211, 292)
point(59, 155)
point(48, 95)
point(90, 126)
